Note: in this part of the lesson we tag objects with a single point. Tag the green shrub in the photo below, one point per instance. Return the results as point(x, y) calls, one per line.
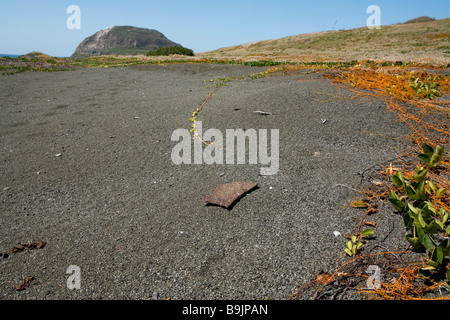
point(171, 50)
point(420, 19)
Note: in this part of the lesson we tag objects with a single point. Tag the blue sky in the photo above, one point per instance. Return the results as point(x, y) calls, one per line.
point(202, 25)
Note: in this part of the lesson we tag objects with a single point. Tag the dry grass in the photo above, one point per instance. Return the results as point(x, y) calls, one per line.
point(423, 42)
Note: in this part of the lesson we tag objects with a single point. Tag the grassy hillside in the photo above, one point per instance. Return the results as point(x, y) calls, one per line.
point(413, 41)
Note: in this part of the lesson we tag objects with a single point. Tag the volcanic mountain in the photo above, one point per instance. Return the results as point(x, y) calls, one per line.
point(122, 40)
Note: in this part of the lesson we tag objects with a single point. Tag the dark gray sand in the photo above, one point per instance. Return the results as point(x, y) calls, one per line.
point(114, 204)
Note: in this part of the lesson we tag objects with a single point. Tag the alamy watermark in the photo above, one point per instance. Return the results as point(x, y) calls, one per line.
point(74, 20)
point(374, 21)
point(213, 152)
point(373, 282)
point(74, 280)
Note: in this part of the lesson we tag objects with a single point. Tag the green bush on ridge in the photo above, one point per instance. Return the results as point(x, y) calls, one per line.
point(171, 50)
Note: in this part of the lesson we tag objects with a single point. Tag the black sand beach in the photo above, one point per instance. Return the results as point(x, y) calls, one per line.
point(85, 160)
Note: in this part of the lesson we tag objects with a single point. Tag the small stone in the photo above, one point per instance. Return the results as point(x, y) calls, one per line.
point(263, 113)
point(19, 287)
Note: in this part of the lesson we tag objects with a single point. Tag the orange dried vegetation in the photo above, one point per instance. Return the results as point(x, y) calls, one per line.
point(426, 116)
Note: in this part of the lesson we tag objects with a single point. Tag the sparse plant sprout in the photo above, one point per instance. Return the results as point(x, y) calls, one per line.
point(355, 242)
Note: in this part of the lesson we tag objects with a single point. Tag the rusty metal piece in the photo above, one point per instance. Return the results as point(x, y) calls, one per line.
point(227, 194)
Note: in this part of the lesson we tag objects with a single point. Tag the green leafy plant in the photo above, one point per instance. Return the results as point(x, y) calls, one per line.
point(428, 89)
point(355, 242)
point(426, 224)
point(430, 156)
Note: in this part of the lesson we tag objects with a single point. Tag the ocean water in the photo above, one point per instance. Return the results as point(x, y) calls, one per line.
point(9, 55)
